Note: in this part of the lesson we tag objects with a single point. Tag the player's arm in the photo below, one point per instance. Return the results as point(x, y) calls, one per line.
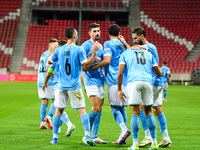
point(121, 38)
point(168, 75)
point(121, 94)
point(106, 61)
point(157, 70)
point(46, 79)
point(82, 79)
point(95, 48)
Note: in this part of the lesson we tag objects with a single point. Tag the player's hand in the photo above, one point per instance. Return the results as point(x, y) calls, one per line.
point(44, 86)
point(121, 96)
point(96, 59)
point(86, 68)
point(95, 46)
point(121, 38)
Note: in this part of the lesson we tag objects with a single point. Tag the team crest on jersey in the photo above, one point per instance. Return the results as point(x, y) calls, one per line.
point(83, 52)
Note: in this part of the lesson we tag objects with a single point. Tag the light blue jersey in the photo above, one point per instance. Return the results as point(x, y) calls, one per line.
point(70, 59)
point(139, 64)
point(157, 81)
point(55, 67)
point(165, 70)
point(95, 76)
point(114, 48)
point(42, 70)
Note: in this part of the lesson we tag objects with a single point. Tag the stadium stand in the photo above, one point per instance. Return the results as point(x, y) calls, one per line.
point(86, 3)
point(56, 2)
point(44, 33)
point(38, 37)
point(173, 26)
point(9, 17)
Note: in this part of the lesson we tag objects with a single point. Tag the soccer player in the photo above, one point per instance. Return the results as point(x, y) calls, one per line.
point(49, 93)
point(165, 77)
point(139, 38)
point(94, 83)
point(138, 63)
point(112, 51)
point(54, 70)
point(71, 58)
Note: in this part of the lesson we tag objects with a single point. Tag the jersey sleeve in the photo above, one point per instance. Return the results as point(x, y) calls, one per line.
point(107, 49)
point(54, 56)
point(122, 59)
point(154, 63)
point(82, 56)
point(85, 47)
point(168, 71)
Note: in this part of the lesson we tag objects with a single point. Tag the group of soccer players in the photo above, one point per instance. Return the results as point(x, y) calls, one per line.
point(131, 73)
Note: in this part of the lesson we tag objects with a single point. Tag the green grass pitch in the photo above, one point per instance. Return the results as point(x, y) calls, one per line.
point(20, 120)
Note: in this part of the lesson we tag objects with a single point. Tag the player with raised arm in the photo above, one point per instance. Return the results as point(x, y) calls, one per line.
point(139, 38)
point(71, 58)
point(54, 71)
point(138, 63)
point(112, 51)
point(49, 93)
point(165, 77)
point(94, 83)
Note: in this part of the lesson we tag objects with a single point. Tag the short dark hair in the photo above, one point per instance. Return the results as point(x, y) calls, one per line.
point(93, 25)
point(114, 30)
point(69, 32)
point(139, 31)
point(53, 40)
point(62, 42)
point(165, 63)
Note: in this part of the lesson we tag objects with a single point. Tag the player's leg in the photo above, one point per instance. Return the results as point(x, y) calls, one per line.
point(123, 112)
point(115, 105)
point(147, 99)
point(56, 124)
point(147, 140)
point(77, 102)
point(165, 86)
point(61, 101)
point(43, 111)
point(123, 109)
point(95, 127)
point(49, 94)
point(135, 125)
point(71, 127)
point(43, 108)
point(51, 112)
point(157, 108)
point(152, 126)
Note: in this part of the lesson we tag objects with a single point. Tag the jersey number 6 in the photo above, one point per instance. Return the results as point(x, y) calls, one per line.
point(68, 67)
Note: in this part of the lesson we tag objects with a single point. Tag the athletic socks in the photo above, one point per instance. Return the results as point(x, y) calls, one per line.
point(56, 123)
point(143, 120)
point(135, 128)
point(152, 127)
point(123, 112)
point(92, 116)
point(164, 94)
point(163, 126)
point(119, 118)
point(43, 111)
point(144, 124)
point(52, 110)
point(96, 123)
point(85, 122)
